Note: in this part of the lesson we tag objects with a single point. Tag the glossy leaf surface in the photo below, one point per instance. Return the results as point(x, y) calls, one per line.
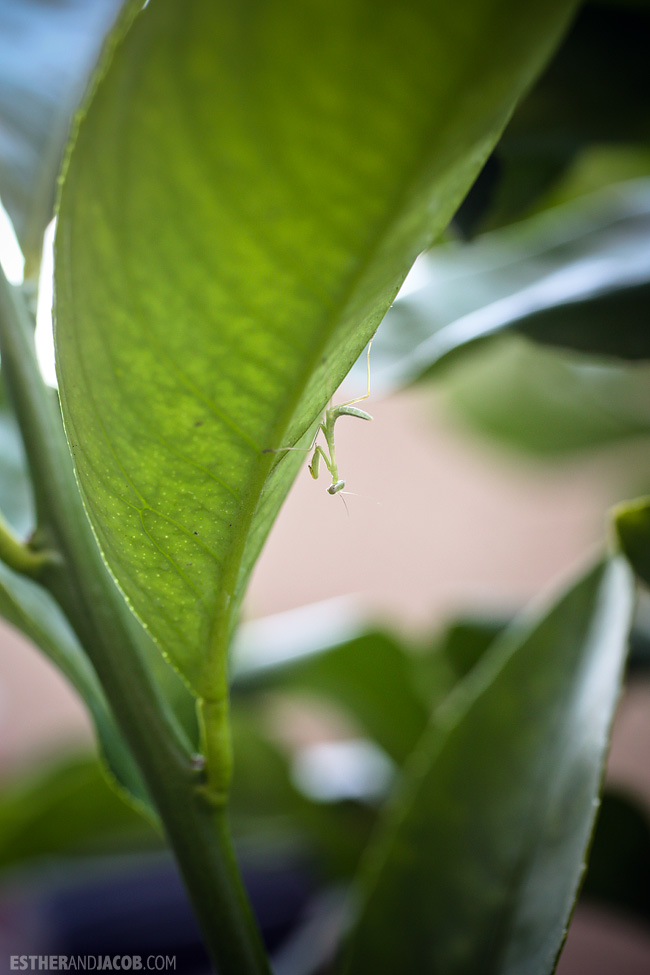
point(47, 50)
point(481, 853)
point(576, 277)
point(247, 189)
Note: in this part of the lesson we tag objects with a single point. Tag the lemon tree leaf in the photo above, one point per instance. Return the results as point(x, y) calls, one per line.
point(31, 609)
point(574, 277)
point(47, 51)
point(477, 865)
point(248, 186)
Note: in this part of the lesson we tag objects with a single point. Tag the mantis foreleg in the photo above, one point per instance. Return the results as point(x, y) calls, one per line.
point(314, 467)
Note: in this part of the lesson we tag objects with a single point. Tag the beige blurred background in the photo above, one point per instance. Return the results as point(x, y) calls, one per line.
point(443, 523)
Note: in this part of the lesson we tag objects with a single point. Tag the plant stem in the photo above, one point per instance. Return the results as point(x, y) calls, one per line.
point(113, 640)
point(19, 556)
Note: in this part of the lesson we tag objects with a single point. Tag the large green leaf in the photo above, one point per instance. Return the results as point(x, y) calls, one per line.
point(576, 276)
point(47, 49)
point(478, 863)
point(247, 189)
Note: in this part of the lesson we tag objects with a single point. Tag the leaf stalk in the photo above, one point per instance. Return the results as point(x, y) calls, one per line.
point(20, 556)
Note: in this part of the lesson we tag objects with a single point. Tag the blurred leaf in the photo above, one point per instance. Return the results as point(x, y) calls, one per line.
point(15, 487)
point(262, 790)
point(222, 261)
point(597, 168)
point(619, 860)
point(30, 608)
point(268, 808)
point(465, 642)
point(273, 642)
point(594, 92)
point(448, 657)
point(65, 809)
point(372, 677)
point(382, 681)
point(477, 865)
point(47, 48)
point(546, 402)
point(577, 276)
point(388, 684)
point(632, 526)
point(613, 323)
point(639, 660)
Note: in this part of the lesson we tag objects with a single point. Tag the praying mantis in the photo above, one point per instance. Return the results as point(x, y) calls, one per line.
point(327, 453)
point(326, 427)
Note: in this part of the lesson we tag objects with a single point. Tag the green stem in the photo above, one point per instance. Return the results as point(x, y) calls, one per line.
point(20, 557)
point(217, 747)
point(214, 721)
point(112, 638)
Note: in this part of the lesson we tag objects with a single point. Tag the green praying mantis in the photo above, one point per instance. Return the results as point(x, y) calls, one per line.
point(327, 453)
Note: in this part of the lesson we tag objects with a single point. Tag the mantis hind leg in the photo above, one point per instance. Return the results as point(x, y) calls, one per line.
point(302, 450)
